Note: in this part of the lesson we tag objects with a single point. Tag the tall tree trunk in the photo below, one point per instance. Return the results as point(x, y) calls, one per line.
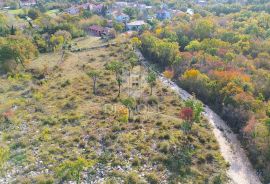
point(130, 85)
point(119, 89)
point(94, 87)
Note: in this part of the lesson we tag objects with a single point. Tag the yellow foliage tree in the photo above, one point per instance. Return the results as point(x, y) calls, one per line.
point(192, 73)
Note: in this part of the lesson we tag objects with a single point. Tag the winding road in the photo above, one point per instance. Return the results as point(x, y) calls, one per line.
point(240, 170)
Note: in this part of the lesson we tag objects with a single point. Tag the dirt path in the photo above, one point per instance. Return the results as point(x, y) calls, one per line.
point(240, 170)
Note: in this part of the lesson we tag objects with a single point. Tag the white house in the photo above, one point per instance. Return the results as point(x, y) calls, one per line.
point(27, 2)
point(190, 11)
point(135, 25)
point(73, 10)
point(120, 17)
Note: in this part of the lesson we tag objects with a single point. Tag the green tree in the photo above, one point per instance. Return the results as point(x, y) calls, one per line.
point(94, 74)
point(130, 103)
point(151, 80)
point(119, 27)
point(197, 108)
point(204, 28)
point(193, 46)
point(267, 123)
point(131, 12)
point(71, 170)
point(33, 14)
point(117, 67)
point(16, 48)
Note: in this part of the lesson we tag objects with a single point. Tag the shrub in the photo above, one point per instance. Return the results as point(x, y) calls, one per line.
point(153, 178)
point(133, 178)
point(71, 170)
point(43, 179)
point(4, 156)
point(152, 100)
point(164, 147)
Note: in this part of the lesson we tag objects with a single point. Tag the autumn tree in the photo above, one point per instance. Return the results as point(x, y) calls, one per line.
point(169, 74)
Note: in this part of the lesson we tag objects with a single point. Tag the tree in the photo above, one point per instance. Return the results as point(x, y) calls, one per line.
point(136, 42)
point(119, 27)
point(131, 12)
point(16, 48)
point(186, 114)
point(130, 103)
point(33, 14)
point(193, 46)
point(267, 123)
point(204, 28)
point(197, 108)
point(132, 62)
point(94, 74)
point(169, 74)
point(71, 170)
point(117, 68)
point(151, 80)
point(3, 25)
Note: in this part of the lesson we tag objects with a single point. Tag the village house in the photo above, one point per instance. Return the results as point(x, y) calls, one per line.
point(87, 6)
point(120, 17)
point(24, 3)
point(135, 25)
point(73, 10)
point(98, 30)
point(202, 3)
point(163, 14)
point(121, 4)
point(190, 11)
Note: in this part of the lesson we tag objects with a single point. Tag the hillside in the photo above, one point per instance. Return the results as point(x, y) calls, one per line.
point(54, 128)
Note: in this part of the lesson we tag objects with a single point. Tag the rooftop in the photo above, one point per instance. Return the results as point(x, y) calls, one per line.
point(136, 23)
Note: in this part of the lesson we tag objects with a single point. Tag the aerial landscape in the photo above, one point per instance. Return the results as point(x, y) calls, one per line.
point(134, 92)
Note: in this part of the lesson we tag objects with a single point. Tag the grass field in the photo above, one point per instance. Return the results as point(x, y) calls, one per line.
point(53, 12)
point(56, 122)
point(16, 12)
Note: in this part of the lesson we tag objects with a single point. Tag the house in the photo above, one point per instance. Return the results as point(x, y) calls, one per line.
point(73, 10)
point(136, 25)
point(163, 14)
point(202, 3)
point(24, 3)
point(142, 6)
point(120, 17)
point(190, 11)
point(98, 30)
point(98, 8)
point(86, 6)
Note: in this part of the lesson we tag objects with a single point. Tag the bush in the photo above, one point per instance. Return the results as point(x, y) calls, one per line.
point(152, 178)
point(4, 156)
point(133, 178)
point(152, 100)
point(164, 147)
point(71, 170)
